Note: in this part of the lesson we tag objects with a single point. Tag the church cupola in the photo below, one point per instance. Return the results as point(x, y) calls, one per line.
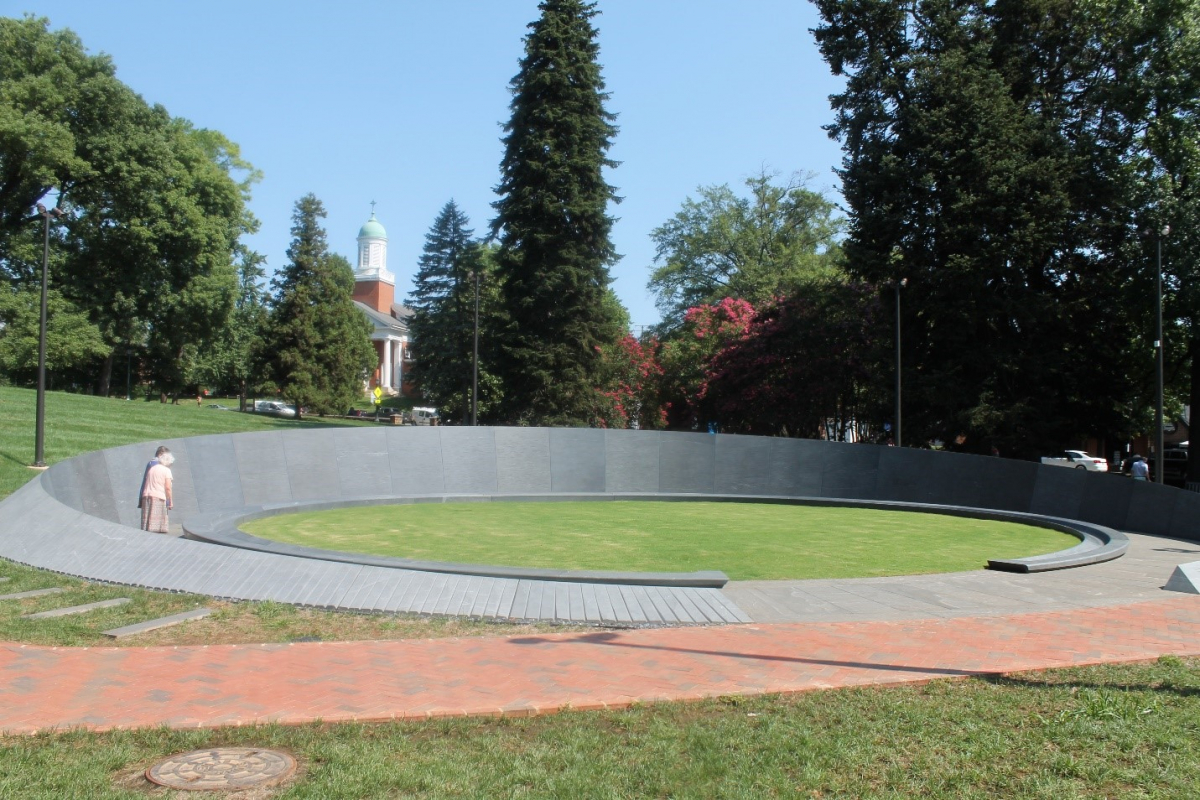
point(372, 253)
point(374, 286)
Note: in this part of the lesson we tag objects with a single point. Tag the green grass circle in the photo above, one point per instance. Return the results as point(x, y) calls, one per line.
point(747, 541)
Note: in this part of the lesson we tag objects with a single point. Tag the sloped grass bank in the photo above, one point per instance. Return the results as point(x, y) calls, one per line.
point(77, 423)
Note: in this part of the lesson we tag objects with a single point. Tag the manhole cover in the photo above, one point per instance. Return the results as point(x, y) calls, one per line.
point(222, 768)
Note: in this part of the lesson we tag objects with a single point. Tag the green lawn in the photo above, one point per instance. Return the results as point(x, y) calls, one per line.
point(78, 423)
point(1125, 731)
point(747, 541)
point(1130, 731)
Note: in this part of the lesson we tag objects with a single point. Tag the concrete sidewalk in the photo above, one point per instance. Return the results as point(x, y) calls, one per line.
point(106, 688)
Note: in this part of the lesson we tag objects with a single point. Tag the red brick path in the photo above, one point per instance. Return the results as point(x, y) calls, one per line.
point(102, 688)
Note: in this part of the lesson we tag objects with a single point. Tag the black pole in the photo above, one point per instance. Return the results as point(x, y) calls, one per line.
point(475, 360)
point(1158, 347)
point(899, 284)
point(128, 373)
point(39, 436)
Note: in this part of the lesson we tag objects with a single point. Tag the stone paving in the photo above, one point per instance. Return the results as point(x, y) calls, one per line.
point(1138, 575)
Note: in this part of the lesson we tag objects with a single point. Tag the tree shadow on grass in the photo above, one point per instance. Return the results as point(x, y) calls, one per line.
point(612, 640)
point(1165, 687)
point(10, 457)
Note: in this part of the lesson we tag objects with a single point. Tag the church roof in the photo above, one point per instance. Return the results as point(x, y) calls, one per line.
point(383, 323)
point(371, 229)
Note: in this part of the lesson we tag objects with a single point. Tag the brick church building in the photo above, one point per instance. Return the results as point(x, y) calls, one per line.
point(375, 296)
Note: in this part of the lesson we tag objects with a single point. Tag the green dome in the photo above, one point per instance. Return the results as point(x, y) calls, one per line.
point(372, 229)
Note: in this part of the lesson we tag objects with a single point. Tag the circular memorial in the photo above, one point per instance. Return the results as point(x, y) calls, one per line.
point(80, 517)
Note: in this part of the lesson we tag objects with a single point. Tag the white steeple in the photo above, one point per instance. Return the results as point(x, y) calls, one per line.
point(372, 252)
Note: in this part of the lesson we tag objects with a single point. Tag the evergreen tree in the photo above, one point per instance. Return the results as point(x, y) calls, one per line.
point(552, 222)
point(443, 320)
point(1001, 157)
point(317, 346)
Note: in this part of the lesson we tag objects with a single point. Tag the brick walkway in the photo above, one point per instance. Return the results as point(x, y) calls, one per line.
point(103, 688)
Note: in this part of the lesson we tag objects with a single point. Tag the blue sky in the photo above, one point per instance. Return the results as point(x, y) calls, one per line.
point(401, 102)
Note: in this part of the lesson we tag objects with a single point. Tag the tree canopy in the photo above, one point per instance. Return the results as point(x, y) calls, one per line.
point(779, 239)
point(443, 319)
point(1004, 158)
point(317, 344)
point(155, 205)
point(552, 222)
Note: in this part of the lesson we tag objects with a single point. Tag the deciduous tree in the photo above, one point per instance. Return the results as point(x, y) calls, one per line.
point(778, 240)
point(156, 205)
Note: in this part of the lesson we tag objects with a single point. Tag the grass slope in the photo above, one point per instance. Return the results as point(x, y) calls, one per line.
point(748, 541)
point(1130, 731)
point(78, 423)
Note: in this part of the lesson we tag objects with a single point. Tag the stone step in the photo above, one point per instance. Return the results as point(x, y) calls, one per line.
point(31, 593)
point(155, 624)
point(83, 609)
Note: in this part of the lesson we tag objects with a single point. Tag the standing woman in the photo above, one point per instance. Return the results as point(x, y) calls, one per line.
point(156, 495)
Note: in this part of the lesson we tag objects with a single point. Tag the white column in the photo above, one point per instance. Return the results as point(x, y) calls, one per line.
point(385, 371)
point(400, 365)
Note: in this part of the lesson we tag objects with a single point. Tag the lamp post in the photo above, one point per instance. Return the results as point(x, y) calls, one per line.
point(475, 359)
point(900, 284)
point(1158, 359)
point(39, 437)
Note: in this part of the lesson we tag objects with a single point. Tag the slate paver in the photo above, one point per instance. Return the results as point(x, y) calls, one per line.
point(83, 609)
point(30, 593)
point(156, 624)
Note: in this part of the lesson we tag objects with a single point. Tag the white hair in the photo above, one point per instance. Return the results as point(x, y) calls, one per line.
point(166, 459)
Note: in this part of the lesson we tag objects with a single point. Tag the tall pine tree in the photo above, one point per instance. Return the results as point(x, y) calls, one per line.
point(317, 347)
point(992, 159)
point(552, 222)
point(443, 320)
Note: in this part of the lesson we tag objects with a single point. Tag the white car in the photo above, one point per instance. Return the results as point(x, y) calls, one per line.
point(274, 407)
point(1079, 460)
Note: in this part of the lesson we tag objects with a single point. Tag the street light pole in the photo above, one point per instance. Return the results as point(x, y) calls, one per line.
point(475, 360)
point(899, 285)
point(1158, 348)
point(39, 436)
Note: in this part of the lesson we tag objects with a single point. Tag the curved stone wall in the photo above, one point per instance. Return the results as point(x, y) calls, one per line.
point(80, 517)
point(232, 471)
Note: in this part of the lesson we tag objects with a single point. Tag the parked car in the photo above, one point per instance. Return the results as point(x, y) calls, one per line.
point(1077, 459)
point(357, 412)
point(274, 407)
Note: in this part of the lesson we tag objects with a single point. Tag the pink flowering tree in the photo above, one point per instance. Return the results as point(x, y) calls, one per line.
point(802, 366)
point(686, 358)
point(629, 393)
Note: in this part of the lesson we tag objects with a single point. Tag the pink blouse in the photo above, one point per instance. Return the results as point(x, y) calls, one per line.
point(158, 482)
